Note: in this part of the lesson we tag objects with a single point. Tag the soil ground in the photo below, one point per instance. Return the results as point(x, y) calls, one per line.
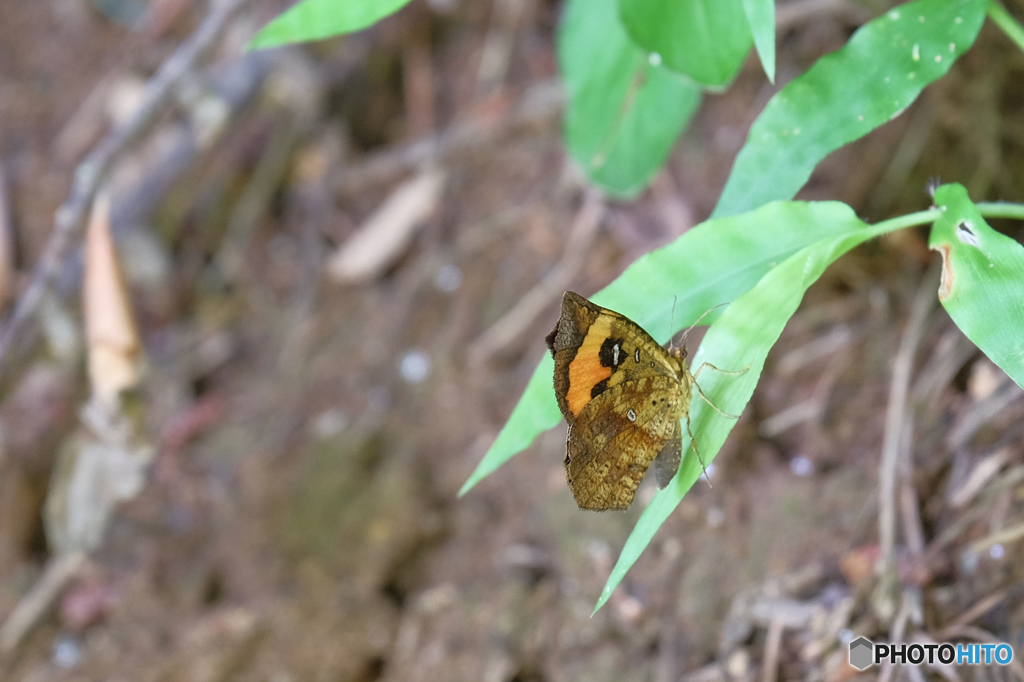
point(300, 521)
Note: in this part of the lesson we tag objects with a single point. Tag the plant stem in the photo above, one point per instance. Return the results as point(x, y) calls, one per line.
point(1003, 20)
point(991, 209)
point(909, 220)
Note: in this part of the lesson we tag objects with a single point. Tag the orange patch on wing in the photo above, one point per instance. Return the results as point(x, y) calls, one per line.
point(586, 370)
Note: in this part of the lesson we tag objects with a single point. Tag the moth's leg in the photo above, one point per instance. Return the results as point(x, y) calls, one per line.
point(701, 392)
point(713, 406)
point(693, 444)
point(723, 371)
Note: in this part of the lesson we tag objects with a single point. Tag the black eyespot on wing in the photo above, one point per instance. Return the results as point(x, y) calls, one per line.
point(599, 388)
point(611, 353)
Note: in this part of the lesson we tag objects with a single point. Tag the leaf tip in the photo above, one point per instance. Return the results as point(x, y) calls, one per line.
point(606, 592)
point(254, 44)
point(264, 38)
point(468, 485)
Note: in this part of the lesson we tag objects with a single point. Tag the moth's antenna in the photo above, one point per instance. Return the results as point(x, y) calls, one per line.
point(690, 328)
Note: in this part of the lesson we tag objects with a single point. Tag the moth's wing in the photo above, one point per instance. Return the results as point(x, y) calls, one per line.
point(596, 349)
point(565, 340)
point(616, 437)
point(666, 464)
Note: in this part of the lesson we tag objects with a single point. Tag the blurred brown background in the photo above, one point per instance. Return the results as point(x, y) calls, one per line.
point(299, 520)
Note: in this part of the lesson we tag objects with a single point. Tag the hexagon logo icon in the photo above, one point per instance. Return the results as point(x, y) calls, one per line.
point(861, 653)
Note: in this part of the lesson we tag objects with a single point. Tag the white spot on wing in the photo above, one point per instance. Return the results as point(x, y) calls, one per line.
point(631, 415)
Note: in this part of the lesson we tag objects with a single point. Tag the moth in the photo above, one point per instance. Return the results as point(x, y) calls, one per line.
point(624, 397)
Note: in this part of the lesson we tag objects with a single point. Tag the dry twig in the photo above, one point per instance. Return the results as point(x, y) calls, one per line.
point(6, 243)
point(1003, 537)
point(981, 474)
point(257, 196)
point(497, 49)
point(951, 352)
point(913, 529)
point(508, 328)
point(910, 611)
point(896, 414)
point(90, 174)
point(975, 612)
point(59, 572)
point(904, 160)
point(982, 412)
point(540, 105)
point(979, 635)
point(772, 645)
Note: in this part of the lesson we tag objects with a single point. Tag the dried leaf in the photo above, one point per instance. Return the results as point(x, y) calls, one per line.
point(98, 467)
point(217, 647)
point(387, 232)
point(115, 353)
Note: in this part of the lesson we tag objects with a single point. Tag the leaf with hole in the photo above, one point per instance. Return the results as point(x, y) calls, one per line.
point(982, 285)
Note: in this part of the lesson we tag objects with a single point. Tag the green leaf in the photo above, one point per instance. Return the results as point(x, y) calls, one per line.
point(535, 413)
point(740, 338)
point(714, 262)
point(982, 280)
point(1004, 20)
point(317, 19)
point(847, 94)
point(705, 39)
point(623, 114)
point(761, 17)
